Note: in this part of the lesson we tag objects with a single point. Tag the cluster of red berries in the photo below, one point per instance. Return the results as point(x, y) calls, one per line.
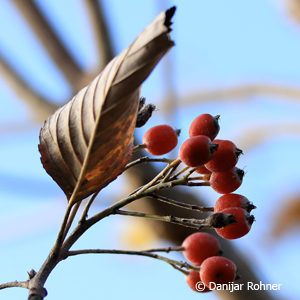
point(215, 159)
point(203, 249)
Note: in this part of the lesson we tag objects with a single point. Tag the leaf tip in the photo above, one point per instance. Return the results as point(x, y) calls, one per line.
point(169, 14)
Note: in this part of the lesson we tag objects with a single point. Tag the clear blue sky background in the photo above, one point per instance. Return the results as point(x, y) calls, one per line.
point(218, 43)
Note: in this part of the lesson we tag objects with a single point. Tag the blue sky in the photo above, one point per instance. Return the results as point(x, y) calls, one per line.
point(218, 44)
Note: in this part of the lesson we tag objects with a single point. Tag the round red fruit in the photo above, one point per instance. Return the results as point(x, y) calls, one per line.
point(203, 170)
point(225, 157)
point(217, 270)
point(198, 246)
point(197, 150)
point(205, 124)
point(233, 200)
point(160, 139)
point(242, 226)
point(227, 181)
point(194, 282)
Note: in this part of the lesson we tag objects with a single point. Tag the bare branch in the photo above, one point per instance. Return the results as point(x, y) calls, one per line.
point(22, 284)
point(217, 220)
point(51, 41)
point(139, 253)
point(87, 207)
point(62, 230)
point(40, 106)
point(181, 204)
point(147, 159)
point(102, 36)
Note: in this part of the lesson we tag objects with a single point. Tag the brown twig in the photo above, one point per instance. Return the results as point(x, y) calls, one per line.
point(62, 230)
point(147, 159)
point(138, 253)
point(71, 219)
point(214, 221)
point(181, 172)
point(87, 207)
point(22, 284)
point(139, 147)
point(181, 204)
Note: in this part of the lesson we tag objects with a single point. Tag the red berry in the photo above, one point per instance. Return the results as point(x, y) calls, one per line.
point(203, 170)
point(194, 282)
point(160, 139)
point(197, 150)
point(218, 270)
point(200, 245)
point(227, 181)
point(239, 229)
point(233, 200)
point(225, 157)
point(205, 124)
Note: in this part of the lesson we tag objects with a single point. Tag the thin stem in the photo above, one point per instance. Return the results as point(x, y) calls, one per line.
point(161, 174)
point(189, 173)
point(180, 270)
point(130, 252)
point(181, 204)
point(197, 183)
point(22, 284)
point(186, 222)
point(156, 178)
point(167, 249)
point(181, 171)
point(147, 159)
point(171, 183)
point(139, 147)
point(196, 178)
point(87, 207)
point(61, 233)
point(71, 219)
point(170, 172)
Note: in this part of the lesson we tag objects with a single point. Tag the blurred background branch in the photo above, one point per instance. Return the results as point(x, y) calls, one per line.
point(39, 107)
point(241, 92)
point(50, 40)
point(101, 32)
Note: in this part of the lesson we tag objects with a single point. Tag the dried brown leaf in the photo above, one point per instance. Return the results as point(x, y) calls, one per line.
point(87, 142)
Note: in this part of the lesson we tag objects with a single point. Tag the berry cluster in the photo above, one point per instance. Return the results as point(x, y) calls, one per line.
point(221, 156)
point(203, 249)
point(214, 157)
point(216, 160)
